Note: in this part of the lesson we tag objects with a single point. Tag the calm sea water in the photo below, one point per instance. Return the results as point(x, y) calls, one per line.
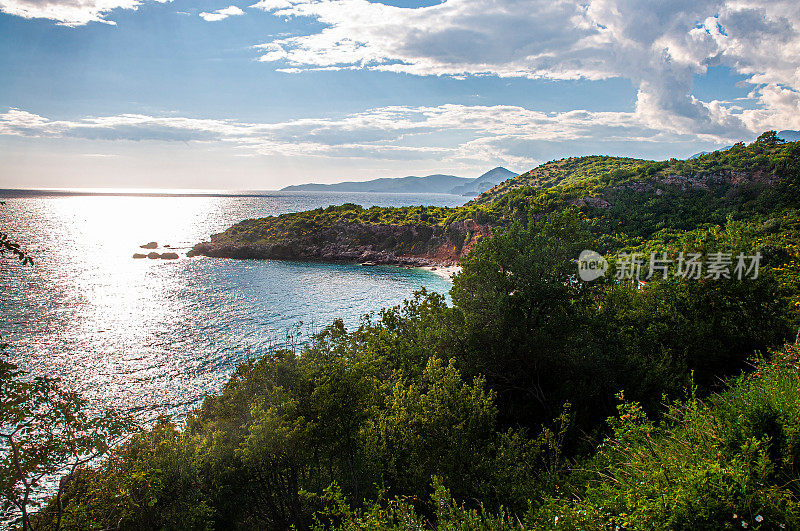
point(154, 337)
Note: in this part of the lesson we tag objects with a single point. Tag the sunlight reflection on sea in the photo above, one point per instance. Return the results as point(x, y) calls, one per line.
point(155, 336)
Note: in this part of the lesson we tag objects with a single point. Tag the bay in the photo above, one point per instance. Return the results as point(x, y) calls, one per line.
point(153, 337)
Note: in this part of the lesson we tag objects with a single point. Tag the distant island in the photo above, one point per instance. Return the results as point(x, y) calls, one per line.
point(430, 184)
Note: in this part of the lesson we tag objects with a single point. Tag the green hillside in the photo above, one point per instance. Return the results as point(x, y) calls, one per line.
point(767, 155)
point(630, 201)
point(574, 170)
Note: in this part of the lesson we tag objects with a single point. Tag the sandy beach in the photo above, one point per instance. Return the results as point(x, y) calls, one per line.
point(446, 272)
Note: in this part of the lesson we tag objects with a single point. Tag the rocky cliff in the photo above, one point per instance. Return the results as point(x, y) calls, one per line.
point(353, 241)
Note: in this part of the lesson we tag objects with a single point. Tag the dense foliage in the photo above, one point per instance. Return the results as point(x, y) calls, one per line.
point(289, 227)
point(564, 172)
point(492, 405)
point(535, 400)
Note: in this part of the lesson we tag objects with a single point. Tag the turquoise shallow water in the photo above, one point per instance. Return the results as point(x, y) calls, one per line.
point(153, 337)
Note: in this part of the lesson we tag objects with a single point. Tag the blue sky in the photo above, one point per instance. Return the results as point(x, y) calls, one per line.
point(204, 94)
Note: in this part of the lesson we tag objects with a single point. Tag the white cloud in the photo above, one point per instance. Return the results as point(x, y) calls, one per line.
point(446, 135)
point(68, 12)
point(658, 45)
point(221, 14)
point(270, 5)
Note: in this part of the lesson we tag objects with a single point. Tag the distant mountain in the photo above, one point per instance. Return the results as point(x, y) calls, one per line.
point(430, 184)
point(434, 184)
point(789, 135)
point(488, 180)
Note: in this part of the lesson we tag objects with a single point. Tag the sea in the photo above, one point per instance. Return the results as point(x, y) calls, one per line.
point(154, 337)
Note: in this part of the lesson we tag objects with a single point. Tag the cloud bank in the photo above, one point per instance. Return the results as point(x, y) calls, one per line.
point(68, 12)
point(446, 135)
point(658, 45)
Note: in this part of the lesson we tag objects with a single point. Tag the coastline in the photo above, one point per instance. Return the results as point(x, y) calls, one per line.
point(311, 236)
point(446, 270)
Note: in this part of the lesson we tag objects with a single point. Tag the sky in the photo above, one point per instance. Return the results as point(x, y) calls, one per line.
point(261, 94)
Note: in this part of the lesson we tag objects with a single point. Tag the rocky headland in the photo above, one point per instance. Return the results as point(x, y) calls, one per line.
point(409, 245)
point(347, 238)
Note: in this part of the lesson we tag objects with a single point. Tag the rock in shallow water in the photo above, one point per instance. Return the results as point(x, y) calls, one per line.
point(169, 256)
point(151, 245)
point(139, 255)
point(153, 256)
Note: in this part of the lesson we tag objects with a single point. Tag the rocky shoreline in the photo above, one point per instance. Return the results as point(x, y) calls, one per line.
point(375, 244)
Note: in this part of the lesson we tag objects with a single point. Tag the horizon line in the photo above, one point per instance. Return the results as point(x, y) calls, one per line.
point(174, 192)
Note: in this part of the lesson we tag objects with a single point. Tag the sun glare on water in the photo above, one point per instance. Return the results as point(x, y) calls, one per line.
point(155, 336)
point(125, 305)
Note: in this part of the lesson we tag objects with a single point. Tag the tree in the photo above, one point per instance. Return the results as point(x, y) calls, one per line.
point(441, 425)
point(44, 430)
point(768, 138)
point(525, 316)
point(9, 246)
